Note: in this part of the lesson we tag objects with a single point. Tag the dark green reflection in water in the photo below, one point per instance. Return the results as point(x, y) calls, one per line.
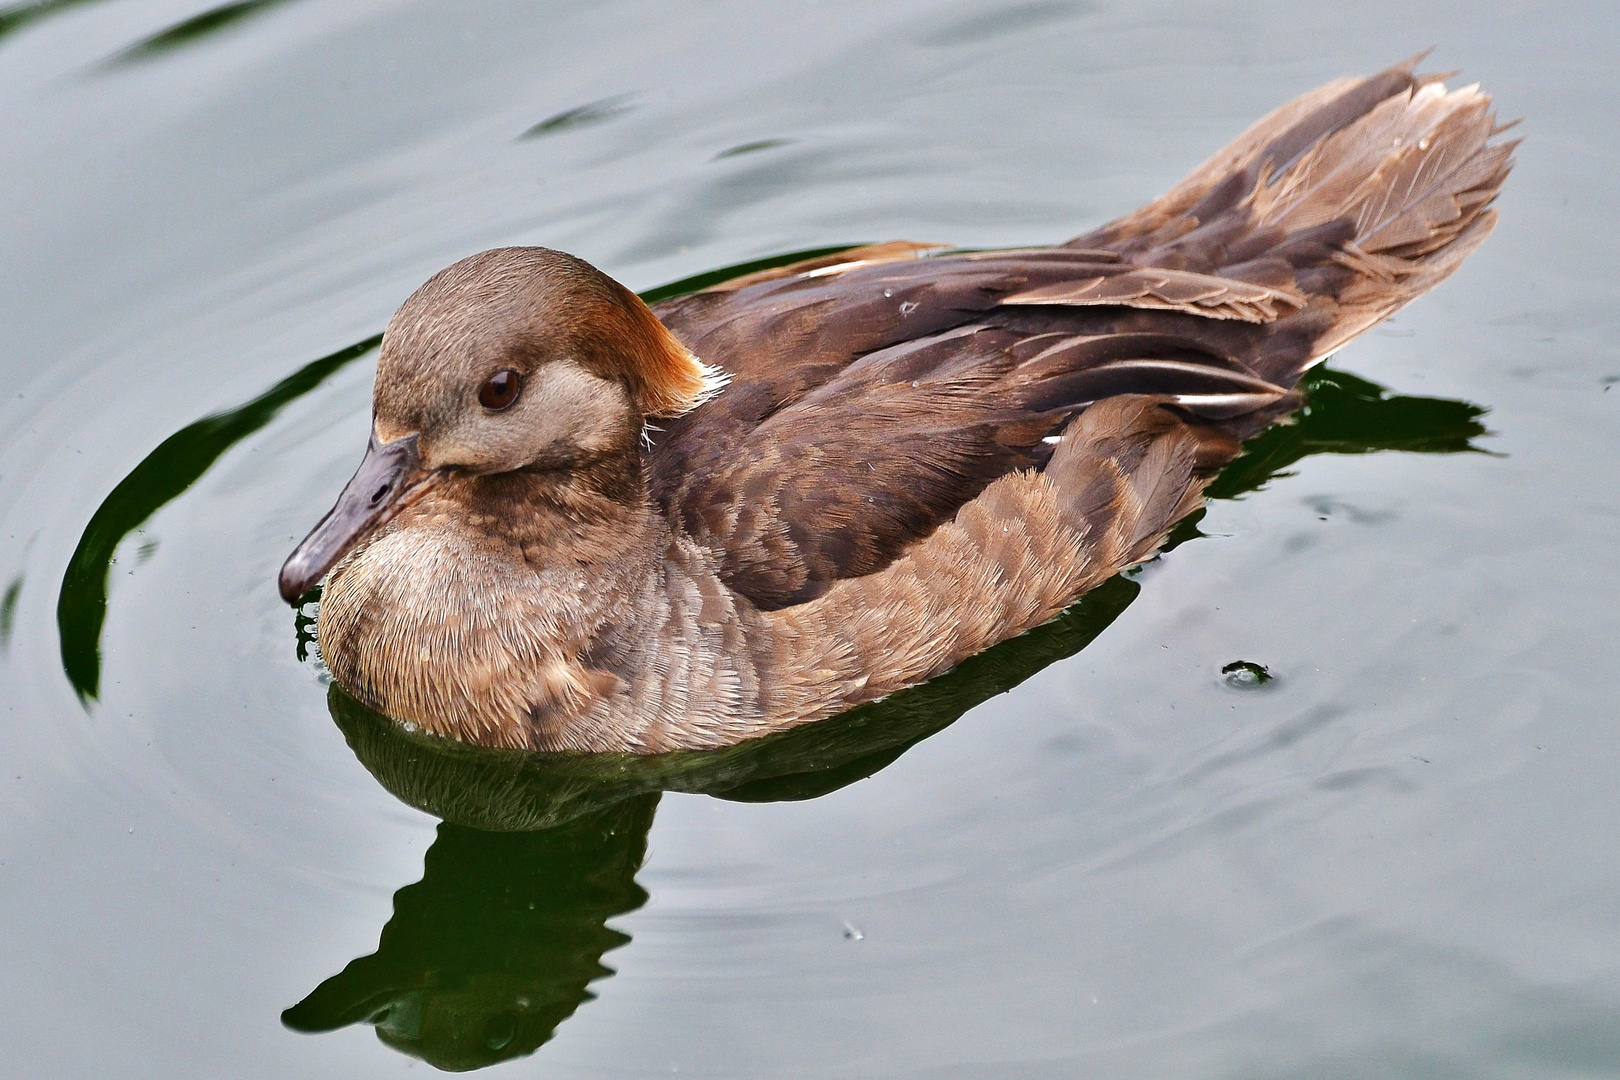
point(8, 611)
point(177, 463)
point(187, 32)
point(496, 945)
point(17, 16)
point(193, 30)
point(752, 148)
point(1344, 414)
point(587, 115)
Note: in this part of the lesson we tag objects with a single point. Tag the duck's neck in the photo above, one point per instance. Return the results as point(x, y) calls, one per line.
point(472, 613)
point(596, 520)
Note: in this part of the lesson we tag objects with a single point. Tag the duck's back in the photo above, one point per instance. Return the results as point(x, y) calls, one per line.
point(876, 393)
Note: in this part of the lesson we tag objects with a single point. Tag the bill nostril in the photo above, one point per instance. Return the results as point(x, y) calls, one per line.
point(377, 496)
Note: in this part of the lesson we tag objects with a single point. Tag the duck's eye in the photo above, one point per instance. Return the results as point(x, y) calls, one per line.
point(500, 390)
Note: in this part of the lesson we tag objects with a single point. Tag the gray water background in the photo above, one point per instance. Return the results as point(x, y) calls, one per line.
point(1399, 859)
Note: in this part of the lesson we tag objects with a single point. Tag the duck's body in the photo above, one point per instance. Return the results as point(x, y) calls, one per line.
point(915, 457)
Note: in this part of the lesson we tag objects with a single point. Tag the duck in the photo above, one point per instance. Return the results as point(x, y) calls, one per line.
point(584, 524)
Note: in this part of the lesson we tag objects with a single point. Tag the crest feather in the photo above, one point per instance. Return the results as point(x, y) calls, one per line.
point(665, 376)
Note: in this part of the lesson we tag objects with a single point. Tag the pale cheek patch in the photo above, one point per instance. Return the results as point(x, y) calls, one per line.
point(580, 409)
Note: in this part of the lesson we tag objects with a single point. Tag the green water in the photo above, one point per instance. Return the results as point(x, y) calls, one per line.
point(1324, 791)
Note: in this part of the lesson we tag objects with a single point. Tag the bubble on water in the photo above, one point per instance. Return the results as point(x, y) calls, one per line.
point(500, 1031)
point(1246, 675)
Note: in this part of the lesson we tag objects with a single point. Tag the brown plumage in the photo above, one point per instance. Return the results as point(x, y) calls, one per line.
point(915, 454)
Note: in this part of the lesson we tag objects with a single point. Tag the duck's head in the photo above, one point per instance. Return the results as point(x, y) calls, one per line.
point(517, 359)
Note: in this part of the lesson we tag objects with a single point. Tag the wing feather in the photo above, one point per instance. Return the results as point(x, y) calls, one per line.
point(879, 390)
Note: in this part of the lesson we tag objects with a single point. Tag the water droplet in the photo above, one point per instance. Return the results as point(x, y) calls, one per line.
point(500, 1031)
point(1246, 675)
point(853, 932)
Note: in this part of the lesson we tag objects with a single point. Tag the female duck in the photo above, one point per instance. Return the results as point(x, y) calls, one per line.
point(865, 467)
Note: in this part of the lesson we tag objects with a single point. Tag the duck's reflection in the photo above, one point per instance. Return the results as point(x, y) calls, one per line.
point(499, 941)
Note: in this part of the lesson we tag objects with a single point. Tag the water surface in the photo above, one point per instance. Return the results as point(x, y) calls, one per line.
point(1092, 853)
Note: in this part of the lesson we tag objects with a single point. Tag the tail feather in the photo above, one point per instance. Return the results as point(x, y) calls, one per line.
point(1359, 196)
point(1173, 206)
